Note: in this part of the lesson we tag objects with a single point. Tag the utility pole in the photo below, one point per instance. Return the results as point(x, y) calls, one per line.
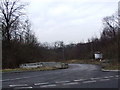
point(63, 51)
point(118, 28)
point(92, 50)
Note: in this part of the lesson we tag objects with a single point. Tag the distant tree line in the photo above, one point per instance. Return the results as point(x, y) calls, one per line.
point(19, 44)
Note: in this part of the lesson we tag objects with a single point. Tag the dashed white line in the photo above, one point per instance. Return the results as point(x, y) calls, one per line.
point(23, 87)
point(8, 80)
point(89, 81)
point(104, 79)
point(19, 78)
point(111, 76)
point(94, 78)
point(40, 83)
point(79, 80)
point(111, 70)
point(17, 85)
point(51, 85)
point(70, 83)
point(62, 81)
point(116, 76)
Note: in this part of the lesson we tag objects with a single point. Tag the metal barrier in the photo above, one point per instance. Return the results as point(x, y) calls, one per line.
point(44, 64)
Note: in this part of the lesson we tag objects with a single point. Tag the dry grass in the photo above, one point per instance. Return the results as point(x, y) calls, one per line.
point(83, 61)
point(29, 69)
point(110, 66)
point(107, 66)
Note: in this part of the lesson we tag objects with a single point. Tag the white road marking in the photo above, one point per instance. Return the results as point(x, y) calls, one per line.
point(41, 83)
point(79, 80)
point(8, 80)
point(51, 85)
point(62, 81)
point(19, 78)
point(116, 76)
point(111, 70)
point(104, 79)
point(94, 78)
point(23, 87)
point(111, 76)
point(17, 85)
point(89, 81)
point(70, 83)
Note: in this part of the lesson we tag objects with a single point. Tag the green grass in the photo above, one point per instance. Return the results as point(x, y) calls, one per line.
point(108, 66)
point(112, 67)
point(29, 69)
point(83, 61)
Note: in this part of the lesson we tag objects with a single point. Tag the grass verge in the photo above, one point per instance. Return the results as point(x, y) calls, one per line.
point(106, 66)
point(112, 66)
point(29, 69)
point(82, 62)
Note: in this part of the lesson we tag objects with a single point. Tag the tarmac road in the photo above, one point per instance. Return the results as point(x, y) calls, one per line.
point(76, 76)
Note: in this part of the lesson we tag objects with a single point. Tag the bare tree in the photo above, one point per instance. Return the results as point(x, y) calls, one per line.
point(110, 26)
point(10, 14)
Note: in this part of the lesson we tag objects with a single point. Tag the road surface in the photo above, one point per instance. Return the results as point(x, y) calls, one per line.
point(76, 76)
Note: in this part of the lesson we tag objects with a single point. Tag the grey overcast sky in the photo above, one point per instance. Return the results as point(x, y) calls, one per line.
point(71, 21)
